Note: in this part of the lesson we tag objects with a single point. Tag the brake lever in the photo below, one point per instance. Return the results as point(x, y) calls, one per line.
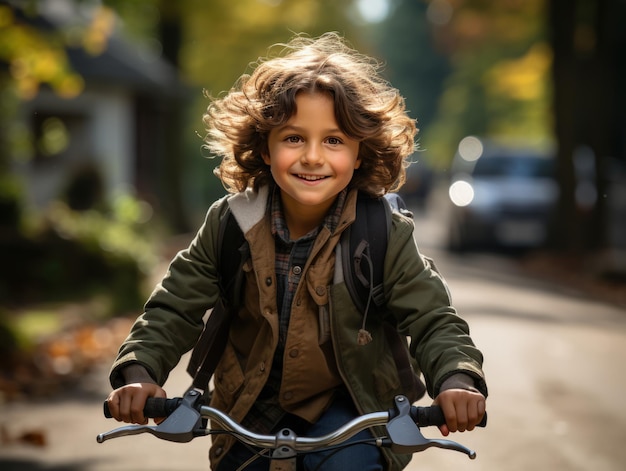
point(125, 431)
point(179, 427)
point(405, 436)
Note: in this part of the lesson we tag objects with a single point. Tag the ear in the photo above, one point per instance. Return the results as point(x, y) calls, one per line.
point(357, 163)
point(266, 158)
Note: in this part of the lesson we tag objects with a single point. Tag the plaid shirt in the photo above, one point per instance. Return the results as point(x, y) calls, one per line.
point(291, 257)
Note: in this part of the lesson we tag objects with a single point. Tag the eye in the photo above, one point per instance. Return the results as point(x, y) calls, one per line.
point(334, 141)
point(293, 139)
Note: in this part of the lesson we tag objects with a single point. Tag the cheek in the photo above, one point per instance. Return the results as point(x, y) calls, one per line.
point(349, 165)
point(278, 167)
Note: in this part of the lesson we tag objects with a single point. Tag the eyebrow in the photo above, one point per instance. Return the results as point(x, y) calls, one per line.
point(291, 127)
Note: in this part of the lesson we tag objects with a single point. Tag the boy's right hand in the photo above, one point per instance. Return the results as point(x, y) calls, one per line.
point(126, 403)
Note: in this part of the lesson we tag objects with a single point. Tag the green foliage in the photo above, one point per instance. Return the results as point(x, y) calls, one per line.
point(35, 56)
point(66, 255)
point(222, 36)
point(116, 234)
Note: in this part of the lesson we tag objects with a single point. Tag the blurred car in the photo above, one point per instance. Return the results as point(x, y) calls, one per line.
point(502, 197)
point(418, 185)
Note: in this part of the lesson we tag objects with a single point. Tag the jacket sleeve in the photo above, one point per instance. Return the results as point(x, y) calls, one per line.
point(173, 315)
point(418, 298)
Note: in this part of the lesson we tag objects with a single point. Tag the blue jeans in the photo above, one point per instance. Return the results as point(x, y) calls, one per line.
point(363, 457)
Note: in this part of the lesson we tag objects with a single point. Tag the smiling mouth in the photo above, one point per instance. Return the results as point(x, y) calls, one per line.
point(311, 178)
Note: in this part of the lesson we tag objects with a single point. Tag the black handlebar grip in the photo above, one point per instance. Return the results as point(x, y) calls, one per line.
point(155, 407)
point(433, 416)
point(106, 411)
point(428, 416)
point(160, 406)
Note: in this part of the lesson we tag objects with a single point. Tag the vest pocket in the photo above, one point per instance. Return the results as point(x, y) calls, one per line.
point(228, 380)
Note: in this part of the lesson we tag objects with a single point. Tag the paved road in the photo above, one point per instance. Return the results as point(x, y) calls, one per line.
point(554, 362)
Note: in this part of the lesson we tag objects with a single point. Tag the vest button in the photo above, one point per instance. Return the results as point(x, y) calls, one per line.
point(320, 291)
point(297, 270)
point(268, 281)
point(288, 396)
point(294, 353)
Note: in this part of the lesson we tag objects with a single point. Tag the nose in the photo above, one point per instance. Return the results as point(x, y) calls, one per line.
point(313, 154)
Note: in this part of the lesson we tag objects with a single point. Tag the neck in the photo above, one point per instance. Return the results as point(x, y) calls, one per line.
point(300, 225)
point(302, 219)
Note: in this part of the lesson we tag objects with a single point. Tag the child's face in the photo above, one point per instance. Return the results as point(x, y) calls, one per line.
point(310, 158)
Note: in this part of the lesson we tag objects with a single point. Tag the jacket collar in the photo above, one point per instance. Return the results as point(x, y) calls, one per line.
point(249, 207)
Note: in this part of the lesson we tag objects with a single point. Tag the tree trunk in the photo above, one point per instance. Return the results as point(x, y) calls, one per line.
point(584, 37)
point(561, 17)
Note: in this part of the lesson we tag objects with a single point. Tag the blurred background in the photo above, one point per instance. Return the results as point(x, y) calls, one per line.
point(521, 106)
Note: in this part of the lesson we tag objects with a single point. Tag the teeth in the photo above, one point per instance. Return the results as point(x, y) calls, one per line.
point(311, 178)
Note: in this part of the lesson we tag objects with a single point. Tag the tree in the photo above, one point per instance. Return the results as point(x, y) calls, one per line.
point(588, 43)
point(413, 64)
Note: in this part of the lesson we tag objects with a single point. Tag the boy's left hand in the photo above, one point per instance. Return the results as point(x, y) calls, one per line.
point(462, 409)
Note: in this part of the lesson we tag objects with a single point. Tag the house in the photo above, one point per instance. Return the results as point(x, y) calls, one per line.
point(118, 134)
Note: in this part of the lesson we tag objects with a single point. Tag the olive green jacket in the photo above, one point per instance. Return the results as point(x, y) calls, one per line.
point(322, 342)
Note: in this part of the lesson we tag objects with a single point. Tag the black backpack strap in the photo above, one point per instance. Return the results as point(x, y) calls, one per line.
point(210, 346)
point(364, 246)
point(233, 253)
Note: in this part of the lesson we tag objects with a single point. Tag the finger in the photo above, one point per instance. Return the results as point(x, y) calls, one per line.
point(136, 408)
point(124, 408)
point(461, 417)
point(482, 408)
point(449, 412)
point(160, 393)
point(479, 409)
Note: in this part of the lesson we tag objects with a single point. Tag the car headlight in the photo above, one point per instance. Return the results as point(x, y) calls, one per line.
point(461, 193)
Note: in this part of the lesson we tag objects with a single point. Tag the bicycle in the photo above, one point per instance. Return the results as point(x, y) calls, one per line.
point(187, 418)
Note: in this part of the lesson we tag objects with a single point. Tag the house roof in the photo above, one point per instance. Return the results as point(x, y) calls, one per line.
point(125, 64)
point(121, 63)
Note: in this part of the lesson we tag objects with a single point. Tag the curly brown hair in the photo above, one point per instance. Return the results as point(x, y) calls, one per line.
point(367, 109)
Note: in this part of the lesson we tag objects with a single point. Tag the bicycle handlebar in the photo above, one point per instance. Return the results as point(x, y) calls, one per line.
point(185, 421)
